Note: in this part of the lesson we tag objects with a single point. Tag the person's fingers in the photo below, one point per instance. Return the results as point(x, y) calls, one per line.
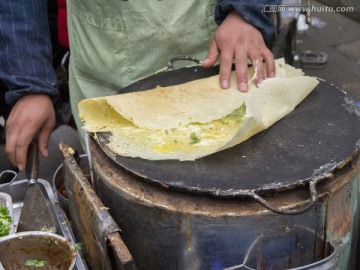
point(43, 142)
point(226, 60)
point(44, 137)
point(260, 76)
point(22, 127)
point(270, 63)
point(212, 56)
point(241, 65)
point(257, 62)
point(12, 134)
point(17, 147)
point(22, 146)
point(236, 39)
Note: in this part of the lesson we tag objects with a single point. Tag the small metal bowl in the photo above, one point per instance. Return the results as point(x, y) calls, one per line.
point(58, 182)
point(17, 249)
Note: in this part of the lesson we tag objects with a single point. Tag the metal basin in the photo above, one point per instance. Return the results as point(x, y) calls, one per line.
point(58, 182)
point(54, 250)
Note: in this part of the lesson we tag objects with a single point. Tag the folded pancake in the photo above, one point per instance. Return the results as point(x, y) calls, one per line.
point(194, 119)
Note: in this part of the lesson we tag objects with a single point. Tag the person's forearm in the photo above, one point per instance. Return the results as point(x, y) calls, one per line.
point(250, 10)
point(25, 50)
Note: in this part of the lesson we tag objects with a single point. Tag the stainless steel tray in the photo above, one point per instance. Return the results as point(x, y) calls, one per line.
point(17, 190)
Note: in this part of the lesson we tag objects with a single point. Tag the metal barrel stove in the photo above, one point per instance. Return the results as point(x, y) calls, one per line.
point(165, 229)
point(286, 198)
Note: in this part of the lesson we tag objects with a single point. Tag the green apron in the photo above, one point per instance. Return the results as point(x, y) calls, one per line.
point(116, 42)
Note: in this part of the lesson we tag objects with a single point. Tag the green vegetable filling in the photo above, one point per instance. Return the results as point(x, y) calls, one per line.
point(77, 246)
point(35, 263)
point(194, 138)
point(5, 221)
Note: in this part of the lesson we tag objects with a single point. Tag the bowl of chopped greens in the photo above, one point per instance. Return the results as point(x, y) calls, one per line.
point(37, 250)
point(6, 215)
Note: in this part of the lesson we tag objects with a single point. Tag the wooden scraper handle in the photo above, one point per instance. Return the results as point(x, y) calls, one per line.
point(32, 163)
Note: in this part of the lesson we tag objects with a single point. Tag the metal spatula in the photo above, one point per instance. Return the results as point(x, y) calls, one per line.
point(36, 212)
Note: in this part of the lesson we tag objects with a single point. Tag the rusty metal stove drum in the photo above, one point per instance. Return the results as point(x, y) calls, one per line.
point(295, 185)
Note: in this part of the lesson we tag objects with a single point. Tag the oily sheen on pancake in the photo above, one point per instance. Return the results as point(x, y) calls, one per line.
point(194, 119)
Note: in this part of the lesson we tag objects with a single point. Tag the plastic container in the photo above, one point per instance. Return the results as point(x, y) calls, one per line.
point(6, 200)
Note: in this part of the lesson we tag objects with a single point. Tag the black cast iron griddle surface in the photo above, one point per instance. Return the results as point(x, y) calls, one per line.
point(313, 140)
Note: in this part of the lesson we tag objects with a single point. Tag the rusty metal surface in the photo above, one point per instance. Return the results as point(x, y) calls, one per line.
point(342, 215)
point(90, 219)
point(318, 137)
point(122, 259)
point(179, 227)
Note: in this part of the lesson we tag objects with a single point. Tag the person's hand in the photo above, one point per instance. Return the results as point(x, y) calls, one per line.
point(236, 39)
point(32, 115)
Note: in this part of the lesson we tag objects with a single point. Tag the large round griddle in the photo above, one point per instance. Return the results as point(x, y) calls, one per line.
point(307, 145)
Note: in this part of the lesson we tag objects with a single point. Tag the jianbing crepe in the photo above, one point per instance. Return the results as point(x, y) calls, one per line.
point(194, 119)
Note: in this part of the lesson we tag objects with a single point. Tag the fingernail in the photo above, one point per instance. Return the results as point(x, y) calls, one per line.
point(243, 87)
point(46, 152)
point(272, 74)
point(20, 167)
point(225, 84)
point(260, 81)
